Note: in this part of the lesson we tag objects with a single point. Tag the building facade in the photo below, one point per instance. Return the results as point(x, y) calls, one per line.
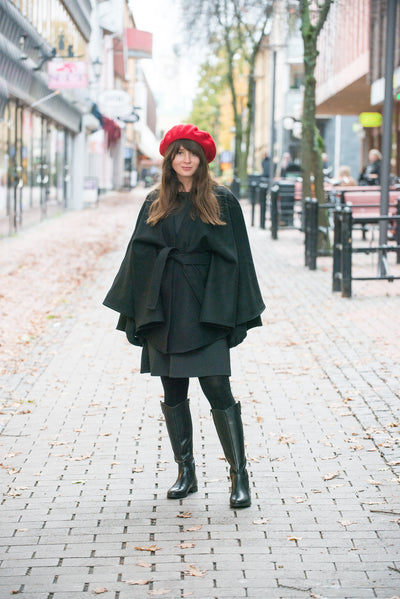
point(38, 124)
point(350, 75)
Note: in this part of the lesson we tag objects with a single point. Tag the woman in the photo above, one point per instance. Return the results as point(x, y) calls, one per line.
point(372, 172)
point(344, 176)
point(187, 292)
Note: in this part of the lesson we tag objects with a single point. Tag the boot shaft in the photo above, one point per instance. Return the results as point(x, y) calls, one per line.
point(180, 430)
point(228, 424)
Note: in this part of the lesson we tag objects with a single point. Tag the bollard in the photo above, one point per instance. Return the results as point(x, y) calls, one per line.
point(252, 196)
point(347, 227)
point(337, 250)
point(274, 211)
point(263, 187)
point(306, 212)
point(398, 231)
point(313, 232)
point(235, 187)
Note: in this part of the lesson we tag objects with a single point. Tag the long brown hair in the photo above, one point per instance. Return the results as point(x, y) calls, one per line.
point(204, 203)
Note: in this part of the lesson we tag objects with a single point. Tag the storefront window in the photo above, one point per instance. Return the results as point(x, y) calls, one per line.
point(4, 163)
point(27, 196)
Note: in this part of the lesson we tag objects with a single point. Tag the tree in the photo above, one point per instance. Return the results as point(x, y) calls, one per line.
point(211, 89)
point(238, 26)
point(313, 15)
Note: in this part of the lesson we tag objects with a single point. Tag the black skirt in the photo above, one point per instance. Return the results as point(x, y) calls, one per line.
point(210, 360)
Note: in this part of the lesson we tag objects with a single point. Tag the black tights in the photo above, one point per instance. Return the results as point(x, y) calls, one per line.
point(216, 388)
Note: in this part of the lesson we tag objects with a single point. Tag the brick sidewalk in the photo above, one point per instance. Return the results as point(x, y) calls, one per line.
point(86, 461)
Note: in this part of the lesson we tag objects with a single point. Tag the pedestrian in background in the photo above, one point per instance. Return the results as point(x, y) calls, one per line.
point(187, 292)
point(326, 167)
point(344, 176)
point(370, 175)
point(284, 163)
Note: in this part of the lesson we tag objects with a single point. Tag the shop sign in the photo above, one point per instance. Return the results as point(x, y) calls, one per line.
point(370, 119)
point(115, 103)
point(67, 74)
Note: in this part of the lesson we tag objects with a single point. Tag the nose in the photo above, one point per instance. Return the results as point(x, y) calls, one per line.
point(187, 156)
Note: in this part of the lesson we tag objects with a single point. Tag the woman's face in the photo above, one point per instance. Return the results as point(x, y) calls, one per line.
point(185, 164)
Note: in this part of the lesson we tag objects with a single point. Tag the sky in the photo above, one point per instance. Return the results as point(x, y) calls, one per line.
point(172, 79)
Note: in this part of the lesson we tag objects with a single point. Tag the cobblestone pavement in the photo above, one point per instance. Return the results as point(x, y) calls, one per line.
point(86, 462)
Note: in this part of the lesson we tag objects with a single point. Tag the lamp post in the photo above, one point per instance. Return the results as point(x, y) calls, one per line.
point(387, 131)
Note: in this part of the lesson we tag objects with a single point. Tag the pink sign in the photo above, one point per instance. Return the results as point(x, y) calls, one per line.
point(69, 74)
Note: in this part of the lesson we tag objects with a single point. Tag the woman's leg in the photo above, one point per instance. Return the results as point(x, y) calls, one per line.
point(217, 389)
point(179, 426)
point(228, 422)
point(175, 390)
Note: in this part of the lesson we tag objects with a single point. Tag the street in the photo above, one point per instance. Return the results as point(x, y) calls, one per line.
point(86, 461)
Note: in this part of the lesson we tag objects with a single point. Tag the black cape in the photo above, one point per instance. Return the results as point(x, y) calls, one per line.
point(183, 289)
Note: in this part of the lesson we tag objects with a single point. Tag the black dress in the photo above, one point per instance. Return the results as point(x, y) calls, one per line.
point(211, 359)
point(185, 288)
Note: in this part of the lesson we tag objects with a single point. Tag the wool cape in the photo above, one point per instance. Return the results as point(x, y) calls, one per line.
point(181, 290)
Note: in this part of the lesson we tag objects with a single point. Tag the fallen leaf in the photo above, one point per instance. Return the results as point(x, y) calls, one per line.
point(299, 499)
point(138, 582)
point(100, 590)
point(160, 592)
point(57, 443)
point(143, 564)
point(194, 528)
point(184, 515)
point(394, 463)
point(12, 493)
point(186, 545)
point(286, 439)
point(374, 482)
point(346, 522)
point(137, 469)
point(294, 538)
point(330, 475)
point(261, 521)
point(260, 419)
point(191, 570)
point(150, 548)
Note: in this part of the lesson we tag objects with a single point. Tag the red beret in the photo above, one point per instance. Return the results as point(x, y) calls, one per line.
point(203, 138)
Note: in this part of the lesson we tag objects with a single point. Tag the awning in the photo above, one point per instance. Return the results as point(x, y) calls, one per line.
point(148, 143)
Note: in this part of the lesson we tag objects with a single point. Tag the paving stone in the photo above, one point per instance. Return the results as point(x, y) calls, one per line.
point(319, 390)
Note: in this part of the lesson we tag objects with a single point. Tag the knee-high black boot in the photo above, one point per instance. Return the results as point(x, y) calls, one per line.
point(180, 431)
point(230, 432)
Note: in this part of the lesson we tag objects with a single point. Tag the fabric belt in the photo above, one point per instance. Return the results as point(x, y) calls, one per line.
point(183, 258)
